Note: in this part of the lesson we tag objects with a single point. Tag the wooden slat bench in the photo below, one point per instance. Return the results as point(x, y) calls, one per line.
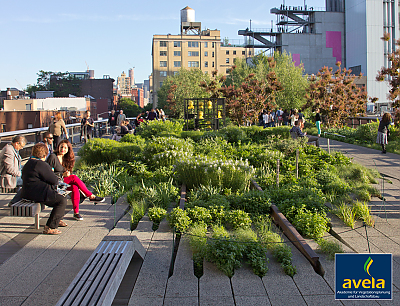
point(27, 208)
point(99, 279)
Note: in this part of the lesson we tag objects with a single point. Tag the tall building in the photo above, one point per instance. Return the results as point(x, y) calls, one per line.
point(192, 48)
point(131, 77)
point(348, 31)
point(124, 85)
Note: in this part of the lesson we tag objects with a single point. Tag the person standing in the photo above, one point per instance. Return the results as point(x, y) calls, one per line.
point(278, 116)
point(10, 163)
point(383, 131)
point(285, 117)
point(318, 121)
point(87, 125)
point(121, 117)
point(152, 115)
point(57, 128)
point(112, 121)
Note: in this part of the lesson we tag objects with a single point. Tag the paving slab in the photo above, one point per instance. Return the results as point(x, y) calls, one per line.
point(183, 282)
point(187, 301)
point(153, 275)
point(214, 283)
point(216, 300)
point(246, 283)
point(252, 300)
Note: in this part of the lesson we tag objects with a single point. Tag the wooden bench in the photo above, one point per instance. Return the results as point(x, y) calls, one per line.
point(27, 208)
point(99, 279)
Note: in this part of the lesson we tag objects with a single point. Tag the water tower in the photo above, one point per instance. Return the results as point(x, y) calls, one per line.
point(188, 24)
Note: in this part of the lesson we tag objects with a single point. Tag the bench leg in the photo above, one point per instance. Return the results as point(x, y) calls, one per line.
point(37, 225)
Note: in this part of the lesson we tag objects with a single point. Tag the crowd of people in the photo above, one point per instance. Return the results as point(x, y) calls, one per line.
point(120, 125)
point(48, 165)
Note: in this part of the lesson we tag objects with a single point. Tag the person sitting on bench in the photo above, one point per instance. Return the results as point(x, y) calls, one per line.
point(63, 161)
point(295, 132)
point(38, 184)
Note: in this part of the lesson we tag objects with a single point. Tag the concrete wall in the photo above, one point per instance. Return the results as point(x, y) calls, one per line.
point(324, 47)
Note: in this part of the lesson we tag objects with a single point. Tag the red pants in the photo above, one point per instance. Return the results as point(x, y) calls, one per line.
point(76, 186)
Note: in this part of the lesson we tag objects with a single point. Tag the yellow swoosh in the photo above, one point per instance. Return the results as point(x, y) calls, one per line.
point(369, 264)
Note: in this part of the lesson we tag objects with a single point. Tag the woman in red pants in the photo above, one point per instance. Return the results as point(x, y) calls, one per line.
point(63, 161)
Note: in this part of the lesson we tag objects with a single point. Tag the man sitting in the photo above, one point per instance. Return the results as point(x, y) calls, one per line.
point(296, 132)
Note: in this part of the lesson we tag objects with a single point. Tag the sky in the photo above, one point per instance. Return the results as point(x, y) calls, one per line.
point(109, 37)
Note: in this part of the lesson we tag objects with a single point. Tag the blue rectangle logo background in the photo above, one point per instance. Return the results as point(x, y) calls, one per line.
point(363, 276)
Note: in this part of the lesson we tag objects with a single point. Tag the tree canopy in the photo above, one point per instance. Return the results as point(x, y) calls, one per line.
point(336, 95)
point(291, 78)
point(183, 85)
point(130, 107)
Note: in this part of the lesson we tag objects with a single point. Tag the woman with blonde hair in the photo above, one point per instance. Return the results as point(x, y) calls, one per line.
point(56, 128)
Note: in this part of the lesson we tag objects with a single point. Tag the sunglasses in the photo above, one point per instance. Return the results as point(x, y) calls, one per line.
point(49, 137)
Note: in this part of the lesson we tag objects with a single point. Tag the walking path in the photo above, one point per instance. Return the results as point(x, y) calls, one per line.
point(36, 269)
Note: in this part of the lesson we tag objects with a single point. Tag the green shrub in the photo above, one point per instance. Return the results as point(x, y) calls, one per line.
point(156, 214)
point(254, 252)
point(252, 202)
point(179, 220)
point(196, 171)
point(199, 215)
point(233, 133)
point(346, 213)
point(164, 144)
point(212, 200)
point(238, 219)
point(217, 214)
point(133, 139)
point(156, 128)
point(331, 183)
point(224, 253)
point(138, 209)
point(160, 195)
point(362, 212)
point(194, 135)
point(283, 254)
point(309, 223)
point(198, 238)
point(99, 150)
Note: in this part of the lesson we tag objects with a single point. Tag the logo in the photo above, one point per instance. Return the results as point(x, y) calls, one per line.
point(363, 276)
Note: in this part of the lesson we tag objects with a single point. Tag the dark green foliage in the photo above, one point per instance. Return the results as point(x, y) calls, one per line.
point(199, 215)
point(309, 223)
point(155, 128)
point(253, 202)
point(238, 219)
point(194, 135)
point(134, 139)
point(233, 133)
point(226, 254)
point(331, 183)
point(283, 255)
point(179, 220)
point(212, 200)
point(99, 150)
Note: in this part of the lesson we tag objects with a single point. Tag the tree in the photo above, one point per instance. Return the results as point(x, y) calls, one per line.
point(183, 85)
point(245, 102)
point(62, 83)
point(292, 78)
point(130, 108)
point(393, 78)
point(336, 95)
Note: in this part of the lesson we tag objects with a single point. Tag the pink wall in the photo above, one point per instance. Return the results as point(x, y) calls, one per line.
point(334, 41)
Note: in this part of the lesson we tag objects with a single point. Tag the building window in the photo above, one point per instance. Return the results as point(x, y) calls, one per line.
point(177, 64)
point(205, 53)
point(193, 64)
point(213, 44)
point(227, 52)
point(28, 106)
point(177, 44)
point(193, 44)
point(227, 61)
point(234, 52)
point(163, 63)
point(30, 125)
point(193, 53)
point(163, 43)
point(205, 64)
point(163, 53)
point(212, 65)
point(228, 70)
point(163, 73)
point(177, 53)
point(249, 52)
point(212, 54)
point(206, 44)
point(243, 52)
point(161, 84)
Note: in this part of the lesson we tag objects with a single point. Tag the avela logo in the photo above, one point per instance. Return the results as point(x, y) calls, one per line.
point(365, 283)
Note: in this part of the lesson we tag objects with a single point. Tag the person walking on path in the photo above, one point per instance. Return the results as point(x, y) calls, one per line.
point(121, 117)
point(63, 162)
point(383, 131)
point(87, 125)
point(38, 185)
point(56, 128)
point(112, 121)
point(318, 121)
point(10, 163)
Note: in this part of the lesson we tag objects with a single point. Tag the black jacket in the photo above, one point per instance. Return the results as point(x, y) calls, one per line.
point(54, 163)
point(39, 181)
